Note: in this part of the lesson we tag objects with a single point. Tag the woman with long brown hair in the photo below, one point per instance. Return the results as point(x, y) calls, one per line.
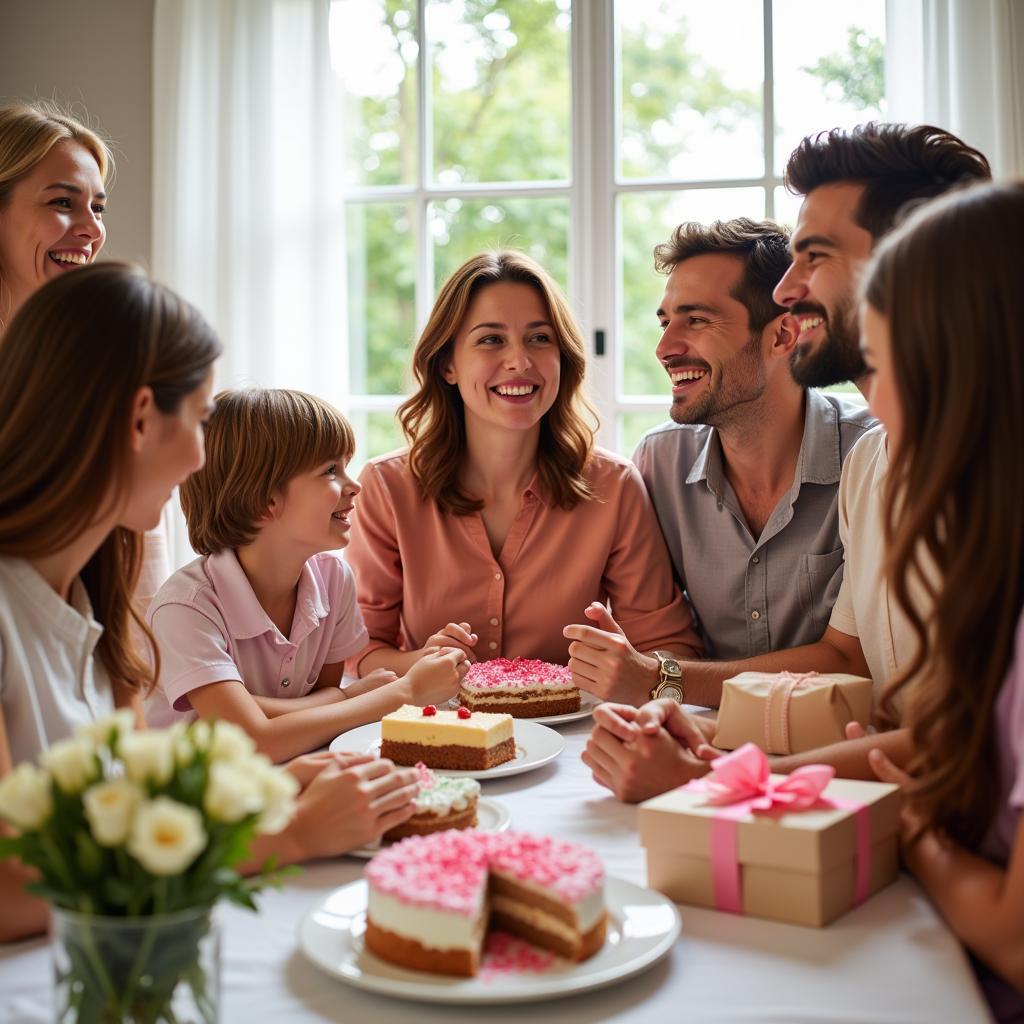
point(943, 336)
point(502, 523)
point(106, 385)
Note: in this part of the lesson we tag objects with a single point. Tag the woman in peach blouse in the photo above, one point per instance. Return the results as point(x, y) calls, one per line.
point(502, 524)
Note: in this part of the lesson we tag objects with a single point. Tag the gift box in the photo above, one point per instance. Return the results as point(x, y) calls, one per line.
point(784, 713)
point(802, 848)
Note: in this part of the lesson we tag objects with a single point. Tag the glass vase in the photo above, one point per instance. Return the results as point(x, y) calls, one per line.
point(136, 970)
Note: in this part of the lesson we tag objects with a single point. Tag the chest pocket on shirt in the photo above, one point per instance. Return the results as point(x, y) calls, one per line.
point(819, 582)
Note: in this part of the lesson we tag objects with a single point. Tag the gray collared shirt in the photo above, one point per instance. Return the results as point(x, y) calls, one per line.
point(752, 595)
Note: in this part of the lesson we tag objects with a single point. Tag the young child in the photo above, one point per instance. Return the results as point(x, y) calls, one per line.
point(943, 336)
point(128, 365)
point(257, 630)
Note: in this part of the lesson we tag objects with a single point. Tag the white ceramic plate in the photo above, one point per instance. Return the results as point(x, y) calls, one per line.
point(587, 704)
point(490, 817)
point(642, 927)
point(535, 745)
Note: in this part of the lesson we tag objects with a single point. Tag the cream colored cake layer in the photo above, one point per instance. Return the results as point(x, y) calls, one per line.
point(435, 929)
point(588, 910)
point(539, 919)
point(409, 725)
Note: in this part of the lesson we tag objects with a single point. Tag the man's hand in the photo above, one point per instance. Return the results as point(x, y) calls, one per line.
point(455, 634)
point(604, 662)
point(629, 724)
point(643, 767)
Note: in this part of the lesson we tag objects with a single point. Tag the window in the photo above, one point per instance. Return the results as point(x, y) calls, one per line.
point(581, 132)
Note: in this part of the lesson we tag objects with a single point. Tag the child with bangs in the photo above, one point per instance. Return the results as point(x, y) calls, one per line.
point(257, 629)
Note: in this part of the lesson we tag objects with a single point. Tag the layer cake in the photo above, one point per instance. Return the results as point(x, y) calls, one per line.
point(461, 740)
point(441, 803)
point(432, 898)
point(520, 687)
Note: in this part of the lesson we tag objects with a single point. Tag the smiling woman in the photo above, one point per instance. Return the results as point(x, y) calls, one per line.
point(53, 172)
point(502, 524)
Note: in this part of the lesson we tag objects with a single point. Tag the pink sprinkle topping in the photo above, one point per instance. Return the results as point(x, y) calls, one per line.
point(516, 673)
point(426, 778)
point(464, 712)
point(504, 954)
point(448, 870)
point(429, 710)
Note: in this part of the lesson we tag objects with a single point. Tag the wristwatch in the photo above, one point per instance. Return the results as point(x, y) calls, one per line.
point(670, 678)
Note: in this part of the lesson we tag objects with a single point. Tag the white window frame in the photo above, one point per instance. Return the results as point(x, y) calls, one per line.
point(593, 193)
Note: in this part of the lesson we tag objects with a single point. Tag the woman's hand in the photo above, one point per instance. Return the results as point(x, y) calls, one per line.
point(307, 767)
point(629, 724)
point(435, 678)
point(346, 807)
point(378, 677)
point(911, 822)
point(455, 634)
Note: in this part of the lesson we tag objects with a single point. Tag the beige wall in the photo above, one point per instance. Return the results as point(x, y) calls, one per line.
point(96, 55)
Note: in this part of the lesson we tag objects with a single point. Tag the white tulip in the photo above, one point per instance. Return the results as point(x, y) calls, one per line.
point(25, 798)
point(109, 807)
point(148, 755)
point(101, 731)
point(72, 763)
point(228, 742)
point(166, 836)
point(233, 792)
point(279, 791)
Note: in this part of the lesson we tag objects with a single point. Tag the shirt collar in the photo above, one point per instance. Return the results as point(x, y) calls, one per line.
point(536, 489)
point(244, 615)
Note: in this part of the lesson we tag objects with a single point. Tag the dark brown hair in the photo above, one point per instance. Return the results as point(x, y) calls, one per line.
point(762, 245)
point(434, 418)
point(73, 358)
point(898, 164)
point(256, 441)
point(948, 282)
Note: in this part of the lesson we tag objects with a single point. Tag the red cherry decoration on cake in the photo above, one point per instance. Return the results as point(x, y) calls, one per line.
point(464, 712)
point(429, 710)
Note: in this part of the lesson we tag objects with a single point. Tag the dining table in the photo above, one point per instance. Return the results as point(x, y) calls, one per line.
point(890, 960)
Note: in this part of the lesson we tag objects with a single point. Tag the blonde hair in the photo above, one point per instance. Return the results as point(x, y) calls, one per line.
point(74, 357)
point(256, 441)
point(433, 419)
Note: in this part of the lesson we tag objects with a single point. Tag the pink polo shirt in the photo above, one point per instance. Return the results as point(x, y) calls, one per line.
point(419, 568)
point(211, 628)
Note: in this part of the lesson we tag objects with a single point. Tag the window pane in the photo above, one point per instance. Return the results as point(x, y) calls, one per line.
point(633, 425)
point(829, 68)
point(374, 52)
point(381, 296)
point(460, 228)
point(376, 433)
point(501, 82)
point(645, 220)
point(787, 206)
point(691, 89)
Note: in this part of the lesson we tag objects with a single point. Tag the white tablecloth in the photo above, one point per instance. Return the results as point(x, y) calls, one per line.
point(890, 960)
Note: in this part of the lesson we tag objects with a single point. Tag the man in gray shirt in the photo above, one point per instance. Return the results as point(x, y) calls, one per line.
point(745, 480)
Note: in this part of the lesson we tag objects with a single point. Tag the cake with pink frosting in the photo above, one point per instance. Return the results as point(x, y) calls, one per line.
point(433, 898)
point(520, 687)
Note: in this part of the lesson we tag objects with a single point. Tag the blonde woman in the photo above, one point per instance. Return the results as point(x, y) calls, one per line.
point(501, 524)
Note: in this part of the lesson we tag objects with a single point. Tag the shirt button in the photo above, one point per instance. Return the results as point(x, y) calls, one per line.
point(755, 614)
point(755, 559)
point(497, 575)
point(285, 682)
point(493, 646)
point(494, 622)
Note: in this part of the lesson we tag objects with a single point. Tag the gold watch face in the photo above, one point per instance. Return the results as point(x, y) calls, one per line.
point(670, 668)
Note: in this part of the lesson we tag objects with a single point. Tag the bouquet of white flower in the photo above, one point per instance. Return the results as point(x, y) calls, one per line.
point(139, 829)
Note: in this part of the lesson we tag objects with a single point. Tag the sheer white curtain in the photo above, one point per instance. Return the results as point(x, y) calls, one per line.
point(248, 221)
point(960, 64)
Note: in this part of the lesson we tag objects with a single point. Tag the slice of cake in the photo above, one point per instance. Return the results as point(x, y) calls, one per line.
point(520, 687)
point(432, 898)
point(441, 803)
point(460, 740)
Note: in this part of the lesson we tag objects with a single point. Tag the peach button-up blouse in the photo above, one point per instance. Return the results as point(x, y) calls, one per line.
point(418, 568)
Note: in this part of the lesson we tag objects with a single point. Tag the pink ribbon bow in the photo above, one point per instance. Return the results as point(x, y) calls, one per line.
point(741, 783)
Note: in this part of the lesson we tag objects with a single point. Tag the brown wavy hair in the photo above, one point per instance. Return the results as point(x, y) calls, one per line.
point(949, 283)
point(433, 419)
point(900, 166)
point(257, 439)
point(73, 358)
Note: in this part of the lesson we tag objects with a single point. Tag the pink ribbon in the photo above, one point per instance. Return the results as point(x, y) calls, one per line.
point(740, 784)
point(783, 687)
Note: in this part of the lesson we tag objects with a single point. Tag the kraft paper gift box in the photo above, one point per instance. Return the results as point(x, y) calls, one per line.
point(804, 866)
point(784, 713)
